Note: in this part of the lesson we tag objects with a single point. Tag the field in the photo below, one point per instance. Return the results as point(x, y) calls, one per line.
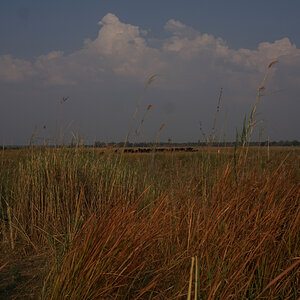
point(217, 223)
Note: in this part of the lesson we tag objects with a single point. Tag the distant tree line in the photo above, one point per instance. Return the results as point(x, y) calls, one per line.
point(99, 144)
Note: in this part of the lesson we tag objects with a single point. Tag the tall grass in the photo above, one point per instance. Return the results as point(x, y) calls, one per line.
point(131, 232)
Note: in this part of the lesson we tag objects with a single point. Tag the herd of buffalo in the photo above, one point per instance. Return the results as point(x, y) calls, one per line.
point(164, 149)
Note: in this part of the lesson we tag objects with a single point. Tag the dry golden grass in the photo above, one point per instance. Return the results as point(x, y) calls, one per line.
point(128, 230)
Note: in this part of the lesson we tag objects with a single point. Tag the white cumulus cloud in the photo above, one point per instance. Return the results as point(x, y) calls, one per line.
point(14, 69)
point(122, 49)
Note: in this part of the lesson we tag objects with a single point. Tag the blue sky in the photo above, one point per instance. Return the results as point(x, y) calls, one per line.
point(53, 49)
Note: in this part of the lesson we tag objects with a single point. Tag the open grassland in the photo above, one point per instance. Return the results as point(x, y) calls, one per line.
point(212, 224)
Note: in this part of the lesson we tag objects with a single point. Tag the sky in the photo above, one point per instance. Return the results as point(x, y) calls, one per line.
point(100, 54)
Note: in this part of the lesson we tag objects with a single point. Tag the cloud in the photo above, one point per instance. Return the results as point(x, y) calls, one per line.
point(185, 59)
point(54, 69)
point(125, 48)
point(14, 69)
point(266, 52)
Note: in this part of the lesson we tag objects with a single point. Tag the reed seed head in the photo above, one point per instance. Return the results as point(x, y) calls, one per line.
point(151, 79)
point(272, 63)
point(162, 126)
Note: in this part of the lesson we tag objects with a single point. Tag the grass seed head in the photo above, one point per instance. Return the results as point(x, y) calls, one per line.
point(151, 79)
point(162, 126)
point(272, 63)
